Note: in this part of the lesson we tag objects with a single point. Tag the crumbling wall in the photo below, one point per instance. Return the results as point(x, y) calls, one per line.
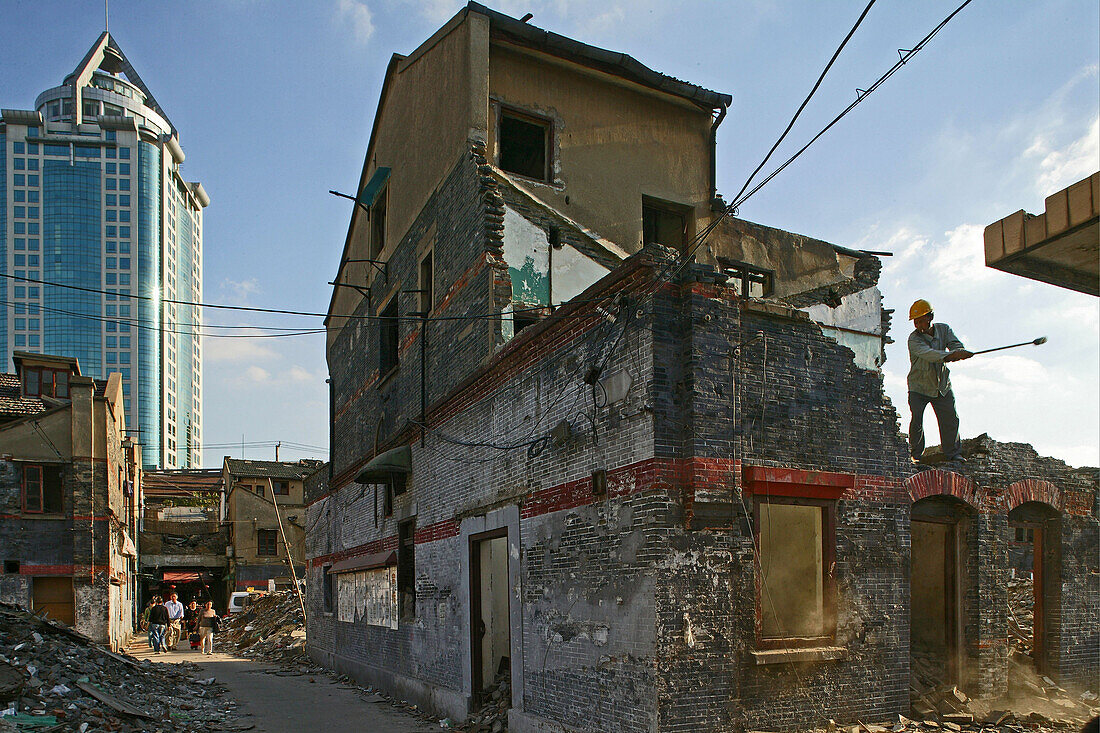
point(1004, 476)
point(759, 384)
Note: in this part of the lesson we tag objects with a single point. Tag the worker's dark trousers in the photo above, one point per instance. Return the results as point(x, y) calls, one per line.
point(948, 419)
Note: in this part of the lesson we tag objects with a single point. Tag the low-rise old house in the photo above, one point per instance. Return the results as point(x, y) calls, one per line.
point(184, 535)
point(70, 487)
point(632, 483)
point(258, 552)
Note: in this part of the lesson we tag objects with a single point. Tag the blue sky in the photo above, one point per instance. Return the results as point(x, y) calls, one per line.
point(274, 102)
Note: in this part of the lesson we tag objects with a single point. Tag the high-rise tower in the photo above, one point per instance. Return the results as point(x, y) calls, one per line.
point(101, 246)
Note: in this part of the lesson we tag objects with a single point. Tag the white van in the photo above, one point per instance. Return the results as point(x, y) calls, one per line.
point(239, 602)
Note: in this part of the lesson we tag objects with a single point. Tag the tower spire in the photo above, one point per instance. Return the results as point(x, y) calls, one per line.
point(106, 16)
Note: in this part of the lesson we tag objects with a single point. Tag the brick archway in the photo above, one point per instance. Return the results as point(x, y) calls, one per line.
point(1030, 489)
point(935, 482)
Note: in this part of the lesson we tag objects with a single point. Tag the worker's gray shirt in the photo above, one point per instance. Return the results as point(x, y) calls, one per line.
point(927, 372)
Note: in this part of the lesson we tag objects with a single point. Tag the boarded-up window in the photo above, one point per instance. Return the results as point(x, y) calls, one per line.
point(328, 589)
point(524, 142)
point(368, 596)
point(794, 589)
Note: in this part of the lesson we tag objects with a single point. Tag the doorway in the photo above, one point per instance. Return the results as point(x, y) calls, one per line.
point(490, 634)
point(1035, 584)
point(934, 629)
point(54, 595)
point(940, 532)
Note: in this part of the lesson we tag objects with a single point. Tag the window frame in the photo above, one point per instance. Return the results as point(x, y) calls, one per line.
point(546, 123)
point(765, 484)
point(377, 221)
point(683, 211)
point(426, 289)
point(275, 484)
point(389, 339)
point(261, 545)
point(406, 570)
point(56, 382)
point(41, 487)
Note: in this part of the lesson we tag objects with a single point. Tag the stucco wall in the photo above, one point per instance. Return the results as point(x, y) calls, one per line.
point(613, 142)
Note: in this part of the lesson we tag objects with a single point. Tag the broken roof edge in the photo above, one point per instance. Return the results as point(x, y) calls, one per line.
point(616, 63)
point(608, 250)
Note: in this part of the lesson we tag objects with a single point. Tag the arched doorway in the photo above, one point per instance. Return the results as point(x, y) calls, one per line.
point(1034, 588)
point(943, 547)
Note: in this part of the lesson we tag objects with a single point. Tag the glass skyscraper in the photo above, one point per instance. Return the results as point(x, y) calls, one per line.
point(101, 247)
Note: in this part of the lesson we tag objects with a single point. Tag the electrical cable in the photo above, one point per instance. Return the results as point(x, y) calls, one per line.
point(808, 97)
point(280, 311)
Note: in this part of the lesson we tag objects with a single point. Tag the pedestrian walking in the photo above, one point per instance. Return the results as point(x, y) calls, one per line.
point(208, 622)
point(158, 624)
point(143, 621)
point(175, 621)
point(191, 623)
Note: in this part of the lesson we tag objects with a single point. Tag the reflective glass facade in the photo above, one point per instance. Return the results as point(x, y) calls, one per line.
point(97, 220)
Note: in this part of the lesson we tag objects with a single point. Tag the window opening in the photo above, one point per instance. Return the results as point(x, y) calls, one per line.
point(378, 224)
point(387, 347)
point(42, 489)
point(523, 144)
point(795, 593)
point(46, 382)
point(280, 488)
point(406, 568)
point(267, 542)
point(427, 283)
point(751, 281)
point(663, 225)
point(327, 586)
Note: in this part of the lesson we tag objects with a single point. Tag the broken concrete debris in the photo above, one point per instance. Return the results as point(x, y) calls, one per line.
point(271, 629)
point(492, 716)
point(55, 679)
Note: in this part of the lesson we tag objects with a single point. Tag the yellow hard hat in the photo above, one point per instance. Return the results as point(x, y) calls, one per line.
point(919, 308)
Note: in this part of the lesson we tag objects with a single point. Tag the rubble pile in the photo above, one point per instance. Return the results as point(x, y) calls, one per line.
point(1033, 702)
point(271, 629)
point(53, 678)
point(492, 717)
point(1021, 619)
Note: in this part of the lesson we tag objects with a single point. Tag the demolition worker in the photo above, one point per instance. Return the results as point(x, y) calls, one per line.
point(931, 346)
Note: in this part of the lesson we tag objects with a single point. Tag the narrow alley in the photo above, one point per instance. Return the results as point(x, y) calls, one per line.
point(276, 700)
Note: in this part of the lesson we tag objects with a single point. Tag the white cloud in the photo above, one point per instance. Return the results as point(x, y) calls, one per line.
point(257, 375)
point(357, 17)
point(235, 350)
point(238, 292)
point(1062, 167)
point(960, 258)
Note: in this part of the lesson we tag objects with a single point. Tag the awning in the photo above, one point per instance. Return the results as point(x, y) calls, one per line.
point(180, 576)
point(384, 465)
point(374, 186)
point(365, 562)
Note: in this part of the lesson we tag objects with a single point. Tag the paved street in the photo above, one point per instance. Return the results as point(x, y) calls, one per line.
point(292, 704)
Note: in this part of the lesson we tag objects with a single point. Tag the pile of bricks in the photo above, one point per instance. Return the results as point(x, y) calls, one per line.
point(54, 678)
point(271, 629)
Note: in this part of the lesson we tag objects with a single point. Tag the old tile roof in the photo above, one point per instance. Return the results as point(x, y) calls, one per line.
point(271, 469)
point(13, 404)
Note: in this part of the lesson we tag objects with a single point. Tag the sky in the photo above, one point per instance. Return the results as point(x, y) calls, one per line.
point(274, 101)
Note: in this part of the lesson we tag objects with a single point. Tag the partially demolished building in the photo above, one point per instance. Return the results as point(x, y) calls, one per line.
point(635, 490)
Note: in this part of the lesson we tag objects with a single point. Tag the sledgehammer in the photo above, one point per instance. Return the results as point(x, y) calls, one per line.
point(1038, 342)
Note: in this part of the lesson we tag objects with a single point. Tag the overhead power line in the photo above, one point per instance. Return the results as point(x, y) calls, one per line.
point(806, 101)
point(904, 55)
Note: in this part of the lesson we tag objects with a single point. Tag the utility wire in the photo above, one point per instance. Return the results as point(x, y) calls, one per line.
point(808, 97)
point(144, 324)
point(682, 261)
point(281, 311)
point(904, 56)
